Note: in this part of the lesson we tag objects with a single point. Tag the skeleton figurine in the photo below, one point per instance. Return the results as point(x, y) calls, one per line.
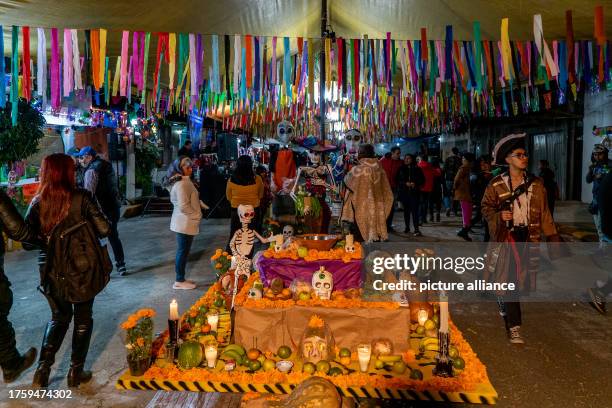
point(242, 243)
point(344, 162)
point(288, 234)
point(318, 179)
point(323, 283)
point(255, 293)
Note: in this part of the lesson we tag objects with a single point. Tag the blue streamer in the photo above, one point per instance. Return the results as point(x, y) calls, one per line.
point(3, 76)
point(448, 51)
point(287, 66)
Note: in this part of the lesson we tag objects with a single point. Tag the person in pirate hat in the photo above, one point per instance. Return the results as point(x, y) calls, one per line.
point(516, 209)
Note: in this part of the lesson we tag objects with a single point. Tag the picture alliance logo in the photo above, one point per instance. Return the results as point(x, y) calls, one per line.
point(424, 263)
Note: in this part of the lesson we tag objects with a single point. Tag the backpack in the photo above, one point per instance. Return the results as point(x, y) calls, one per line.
point(82, 264)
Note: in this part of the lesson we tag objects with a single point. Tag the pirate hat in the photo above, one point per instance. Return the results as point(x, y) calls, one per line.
point(506, 145)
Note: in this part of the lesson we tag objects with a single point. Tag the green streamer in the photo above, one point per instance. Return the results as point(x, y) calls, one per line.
point(15, 76)
point(143, 100)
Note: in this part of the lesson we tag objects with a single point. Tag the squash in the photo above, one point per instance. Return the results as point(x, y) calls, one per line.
point(190, 355)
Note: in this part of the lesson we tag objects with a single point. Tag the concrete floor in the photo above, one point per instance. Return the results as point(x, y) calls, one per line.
point(565, 363)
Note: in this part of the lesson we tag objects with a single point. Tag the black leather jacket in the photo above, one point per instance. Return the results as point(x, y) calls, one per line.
point(90, 211)
point(14, 226)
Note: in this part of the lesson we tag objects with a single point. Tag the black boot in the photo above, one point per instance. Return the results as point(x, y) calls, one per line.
point(24, 362)
point(80, 346)
point(54, 335)
point(463, 233)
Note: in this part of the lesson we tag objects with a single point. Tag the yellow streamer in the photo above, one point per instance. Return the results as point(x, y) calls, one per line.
point(506, 51)
point(172, 56)
point(311, 71)
point(115, 90)
point(327, 62)
point(102, 56)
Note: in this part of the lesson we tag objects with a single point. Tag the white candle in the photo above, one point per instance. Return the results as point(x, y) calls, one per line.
point(279, 241)
point(174, 314)
point(213, 320)
point(210, 351)
point(364, 353)
point(349, 239)
point(422, 316)
point(444, 316)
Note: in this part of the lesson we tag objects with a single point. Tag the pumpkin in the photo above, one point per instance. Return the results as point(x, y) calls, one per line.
point(189, 355)
point(414, 310)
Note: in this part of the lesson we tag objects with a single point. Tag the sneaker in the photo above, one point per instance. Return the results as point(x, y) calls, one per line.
point(122, 270)
point(597, 300)
point(417, 233)
point(515, 335)
point(184, 285)
point(26, 361)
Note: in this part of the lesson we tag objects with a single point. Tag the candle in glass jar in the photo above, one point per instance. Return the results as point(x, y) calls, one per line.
point(174, 314)
point(422, 316)
point(364, 353)
point(213, 320)
point(210, 352)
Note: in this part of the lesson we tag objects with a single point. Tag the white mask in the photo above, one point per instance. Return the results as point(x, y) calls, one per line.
point(284, 132)
point(323, 283)
point(352, 140)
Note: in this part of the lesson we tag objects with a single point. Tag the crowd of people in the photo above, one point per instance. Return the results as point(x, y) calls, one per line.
point(77, 205)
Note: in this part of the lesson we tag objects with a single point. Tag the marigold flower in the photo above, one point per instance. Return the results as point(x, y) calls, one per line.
point(217, 265)
point(140, 341)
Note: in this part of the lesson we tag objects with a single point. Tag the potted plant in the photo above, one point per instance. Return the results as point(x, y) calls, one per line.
point(138, 340)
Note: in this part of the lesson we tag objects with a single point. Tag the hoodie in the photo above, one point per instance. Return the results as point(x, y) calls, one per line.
point(428, 173)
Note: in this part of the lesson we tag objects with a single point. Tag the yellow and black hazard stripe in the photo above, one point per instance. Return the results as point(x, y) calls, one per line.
point(134, 383)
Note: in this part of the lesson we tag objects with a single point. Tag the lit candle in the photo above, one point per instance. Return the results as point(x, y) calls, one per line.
point(444, 315)
point(422, 316)
point(364, 353)
point(213, 320)
point(174, 314)
point(210, 352)
point(350, 239)
point(279, 241)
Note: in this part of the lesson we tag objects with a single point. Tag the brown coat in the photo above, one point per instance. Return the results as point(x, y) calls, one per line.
point(462, 184)
point(540, 223)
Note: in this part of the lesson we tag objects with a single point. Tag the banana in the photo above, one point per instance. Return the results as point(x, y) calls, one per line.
point(237, 348)
point(428, 340)
point(231, 355)
point(390, 359)
point(431, 347)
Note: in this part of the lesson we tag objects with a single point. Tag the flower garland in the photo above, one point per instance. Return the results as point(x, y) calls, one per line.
point(293, 252)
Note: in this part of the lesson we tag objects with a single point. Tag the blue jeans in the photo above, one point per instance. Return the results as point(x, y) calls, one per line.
point(183, 242)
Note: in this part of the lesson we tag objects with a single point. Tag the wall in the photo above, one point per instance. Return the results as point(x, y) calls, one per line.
point(597, 112)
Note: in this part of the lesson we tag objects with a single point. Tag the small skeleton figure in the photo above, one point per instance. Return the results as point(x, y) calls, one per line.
point(288, 234)
point(255, 293)
point(242, 243)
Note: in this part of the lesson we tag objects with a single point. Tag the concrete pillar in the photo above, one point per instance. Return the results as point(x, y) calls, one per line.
point(597, 112)
point(130, 173)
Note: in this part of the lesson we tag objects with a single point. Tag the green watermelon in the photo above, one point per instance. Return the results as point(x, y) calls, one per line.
point(190, 354)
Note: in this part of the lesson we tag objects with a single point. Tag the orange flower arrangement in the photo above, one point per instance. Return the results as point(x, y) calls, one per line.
point(139, 333)
point(315, 322)
point(314, 255)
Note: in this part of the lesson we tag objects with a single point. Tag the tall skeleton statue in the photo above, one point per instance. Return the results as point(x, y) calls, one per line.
point(316, 185)
point(344, 162)
point(241, 245)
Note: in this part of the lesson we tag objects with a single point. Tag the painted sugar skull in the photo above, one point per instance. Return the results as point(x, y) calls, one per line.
point(255, 293)
point(314, 349)
point(284, 132)
point(352, 140)
point(323, 283)
point(246, 212)
point(317, 341)
point(288, 232)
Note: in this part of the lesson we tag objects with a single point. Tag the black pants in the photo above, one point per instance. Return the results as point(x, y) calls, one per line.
point(63, 311)
point(9, 356)
point(424, 204)
point(411, 208)
point(391, 213)
point(435, 204)
point(115, 242)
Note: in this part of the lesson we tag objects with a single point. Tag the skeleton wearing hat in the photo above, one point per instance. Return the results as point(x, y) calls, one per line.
point(313, 182)
point(344, 162)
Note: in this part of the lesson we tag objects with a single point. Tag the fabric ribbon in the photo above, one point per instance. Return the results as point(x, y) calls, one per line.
point(388, 61)
point(95, 58)
point(135, 63)
point(448, 49)
point(310, 49)
point(600, 38)
point(68, 67)
point(55, 67)
point(193, 65)
point(14, 75)
point(199, 60)
point(25, 66)
point(287, 66)
point(569, 38)
point(41, 65)
point(172, 60)
point(216, 84)
point(2, 69)
point(478, 55)
point(116, 78)
point(356, 69)
point(237, 63)
point(273, 63)
point(76, 60)
point(505, 49)
point(538, 34)
point(226, 56)
point(145, 64)
point(103, 67)
point(248, 43)
point(125, 38)
point(257, 69)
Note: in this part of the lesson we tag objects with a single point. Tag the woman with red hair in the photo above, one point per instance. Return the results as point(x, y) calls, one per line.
point(57, 210)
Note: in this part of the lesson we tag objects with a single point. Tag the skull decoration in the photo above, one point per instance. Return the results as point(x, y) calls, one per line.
point(349, 245)
point(323, 283)
point(246, 212)
point(288, 232)
point(314, 349)
point(284, 132)
point(12, 177)
point(255, 293)
point(352, 140)
point(317, 341)
point(314, 157)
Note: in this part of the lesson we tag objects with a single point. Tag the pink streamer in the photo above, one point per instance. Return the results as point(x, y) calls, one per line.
point(124, 63)
point(134, 65)
point(55, 66)
point(68, 68)
point(141, 84)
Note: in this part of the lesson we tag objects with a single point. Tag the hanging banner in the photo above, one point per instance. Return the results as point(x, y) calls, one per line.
point(41, 65)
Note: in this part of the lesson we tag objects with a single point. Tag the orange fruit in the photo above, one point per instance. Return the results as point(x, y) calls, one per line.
point(286, 292)
point(205, 328)
point(253, 354)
